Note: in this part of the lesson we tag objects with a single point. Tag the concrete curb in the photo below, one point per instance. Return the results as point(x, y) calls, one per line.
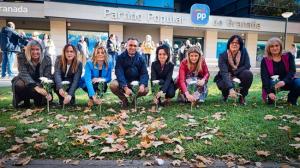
point(133, 163)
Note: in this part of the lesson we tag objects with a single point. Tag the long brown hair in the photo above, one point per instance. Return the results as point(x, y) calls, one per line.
point(195, 49)
point(63, 60)
point(105, 55)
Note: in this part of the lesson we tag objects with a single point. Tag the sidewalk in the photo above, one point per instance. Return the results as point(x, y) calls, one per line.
point(134, 163)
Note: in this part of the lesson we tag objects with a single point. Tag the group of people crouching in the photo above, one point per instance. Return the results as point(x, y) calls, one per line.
point(131, 68)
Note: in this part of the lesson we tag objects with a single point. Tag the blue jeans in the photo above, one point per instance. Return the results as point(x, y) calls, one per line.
point(7, 62)
point(293, 88)
point(112, 57)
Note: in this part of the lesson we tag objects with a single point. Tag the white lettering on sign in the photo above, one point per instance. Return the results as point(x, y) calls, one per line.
point(13, 9)
point(142, 17)
point(201, 16)
point(237, 24)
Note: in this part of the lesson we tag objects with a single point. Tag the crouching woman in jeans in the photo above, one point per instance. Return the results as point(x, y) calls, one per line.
point(97, 69)
point(67, 68)
point(193, 71)
point(281, 67)
point(26, 85)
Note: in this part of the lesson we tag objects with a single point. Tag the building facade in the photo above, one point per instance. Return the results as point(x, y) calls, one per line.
point(65, 21)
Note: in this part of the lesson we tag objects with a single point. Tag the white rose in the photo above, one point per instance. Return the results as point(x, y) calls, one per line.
point(237, 80)
point(65, 82)
point(134, 83)
point(275, 77)
point(155, 82)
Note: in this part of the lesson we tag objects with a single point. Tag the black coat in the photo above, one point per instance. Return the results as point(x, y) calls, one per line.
point(164, 76)
point(226, 71)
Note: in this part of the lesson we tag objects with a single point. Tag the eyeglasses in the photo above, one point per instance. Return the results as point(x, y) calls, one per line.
point(131, 45)
point(236, 43)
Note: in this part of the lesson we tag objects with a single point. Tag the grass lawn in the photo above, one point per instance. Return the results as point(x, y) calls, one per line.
point(212, 130)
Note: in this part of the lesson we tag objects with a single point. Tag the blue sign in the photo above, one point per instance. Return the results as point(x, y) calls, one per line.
point(200, 14)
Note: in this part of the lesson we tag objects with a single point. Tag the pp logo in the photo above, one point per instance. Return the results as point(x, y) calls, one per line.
point(200, 14)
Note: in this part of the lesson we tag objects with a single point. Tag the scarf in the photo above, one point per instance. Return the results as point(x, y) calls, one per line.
point(234, 61)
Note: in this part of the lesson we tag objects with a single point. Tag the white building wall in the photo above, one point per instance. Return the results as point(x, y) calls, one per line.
point(251, 45)
point(140, 32)
point(58, 33)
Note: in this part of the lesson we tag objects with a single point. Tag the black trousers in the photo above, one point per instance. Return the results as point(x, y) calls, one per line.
point(147, 59)
point(61, 99)
point(95, 86)
point(25, 93)
point(170, 92)
point(246, 78)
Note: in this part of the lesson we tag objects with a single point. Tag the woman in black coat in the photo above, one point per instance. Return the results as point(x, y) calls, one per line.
point(162, 70)
point(234, 63)
point(32, 65)
point(67, 68)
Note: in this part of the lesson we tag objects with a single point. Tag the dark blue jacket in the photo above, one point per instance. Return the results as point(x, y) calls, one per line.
point(9, 39)
point(130, 69)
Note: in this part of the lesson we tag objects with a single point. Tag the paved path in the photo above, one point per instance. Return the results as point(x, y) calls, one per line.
point(131, 164)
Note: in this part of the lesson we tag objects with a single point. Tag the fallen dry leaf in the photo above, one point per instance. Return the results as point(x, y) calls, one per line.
point(143, 153)
point(297, 139)
point(218, 115)
point(122, 130)
point(263, 136)
point(29, 140)
point(148, 163)
point(204, 160)
point(19, 140)
point(269, 117)
point(263, 153)
point(230, 164)
point(23, 161)
point(157, 143)
point(15, 148)
point(185, 116)
point(71, 162)
point(242, 161)
point(2, 130)
point(285, 128)
point(176, 163)
point(107, 149)
point(297, 146)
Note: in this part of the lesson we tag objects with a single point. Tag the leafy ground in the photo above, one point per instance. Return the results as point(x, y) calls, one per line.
point(234, 133)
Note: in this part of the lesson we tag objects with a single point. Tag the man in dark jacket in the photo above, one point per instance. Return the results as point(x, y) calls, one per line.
point(130, 66)
point(112, 48)
point(9, 39)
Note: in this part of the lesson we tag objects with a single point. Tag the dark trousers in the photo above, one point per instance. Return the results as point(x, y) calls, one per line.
point(95, 86)
point(24, 93)
point(61, 99)
point(170, 93)
point(246, 78)
point(118, 91)
point(147, 59)
point(294, 91)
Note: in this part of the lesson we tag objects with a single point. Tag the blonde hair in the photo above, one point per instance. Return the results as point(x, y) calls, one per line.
point(195, 49)
point(105, 55)
point(28, 50)
point(270, 42)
